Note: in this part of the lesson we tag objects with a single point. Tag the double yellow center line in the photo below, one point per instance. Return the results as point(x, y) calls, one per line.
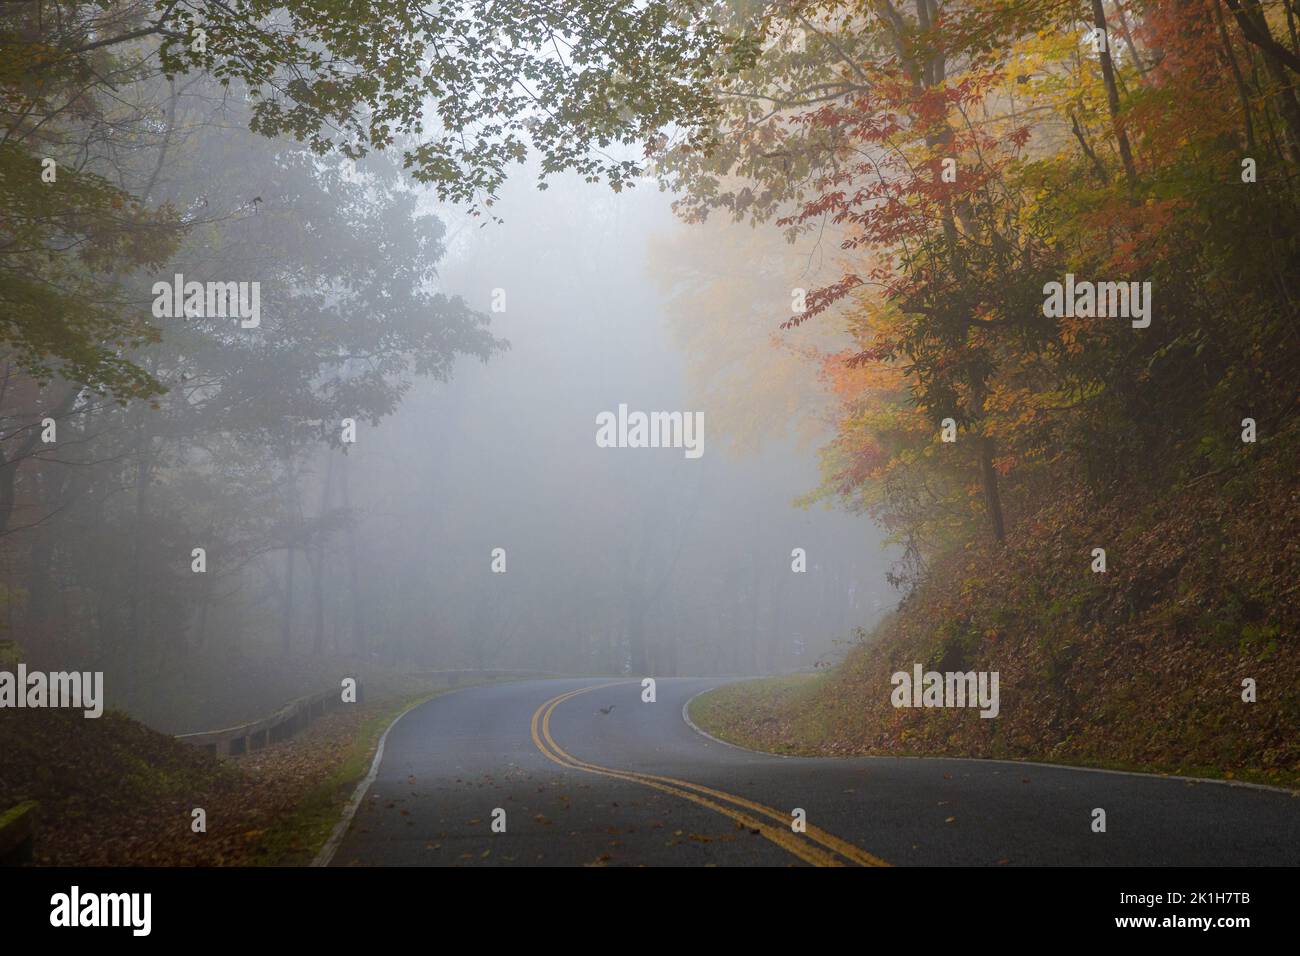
point(815, 846)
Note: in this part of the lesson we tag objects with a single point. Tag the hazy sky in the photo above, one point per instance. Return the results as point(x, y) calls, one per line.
point(505, 456)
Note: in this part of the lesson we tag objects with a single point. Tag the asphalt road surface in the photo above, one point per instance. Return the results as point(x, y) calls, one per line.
point(637, 785)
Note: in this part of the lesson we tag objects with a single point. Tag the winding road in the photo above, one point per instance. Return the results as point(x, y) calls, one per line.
point(588, 774)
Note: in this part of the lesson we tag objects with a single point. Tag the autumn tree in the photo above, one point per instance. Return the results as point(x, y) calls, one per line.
point(975, 152)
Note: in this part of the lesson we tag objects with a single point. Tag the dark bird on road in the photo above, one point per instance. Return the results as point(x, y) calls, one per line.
point(605, 710)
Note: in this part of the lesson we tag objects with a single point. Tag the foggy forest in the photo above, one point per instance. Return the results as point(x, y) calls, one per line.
point(510, 432)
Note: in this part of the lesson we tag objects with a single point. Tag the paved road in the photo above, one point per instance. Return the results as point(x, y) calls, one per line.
point(638, 786)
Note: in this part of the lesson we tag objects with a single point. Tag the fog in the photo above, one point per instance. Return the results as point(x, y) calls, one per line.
point(392, 464)
point(617, 560)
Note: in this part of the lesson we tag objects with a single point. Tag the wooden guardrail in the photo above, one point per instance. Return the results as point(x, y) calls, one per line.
point(18, 833)
point(281, 725)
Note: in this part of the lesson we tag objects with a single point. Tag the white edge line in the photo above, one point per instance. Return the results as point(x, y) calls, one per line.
point(345, 822)
point(1014, 763)
point(336, 838)
point(718, 740)
point(341, 828)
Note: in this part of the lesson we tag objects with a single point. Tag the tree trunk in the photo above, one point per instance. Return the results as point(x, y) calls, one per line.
point(318, 571)
point(9, 466)
point(290, 556)
point(286, 620)
point(202, 637)
point(1243, 94)
point(358, 640)
point(992, 498)
point(1112, 93)
point(138, 632)
point(640, 660)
